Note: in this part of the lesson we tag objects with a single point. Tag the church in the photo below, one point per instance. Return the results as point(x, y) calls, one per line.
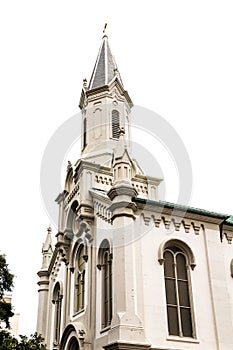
point(129, 271)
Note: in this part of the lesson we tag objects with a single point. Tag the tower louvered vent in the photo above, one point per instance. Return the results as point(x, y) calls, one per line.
point(115, 124)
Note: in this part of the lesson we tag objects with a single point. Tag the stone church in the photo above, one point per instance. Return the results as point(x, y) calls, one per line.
point(129, 271)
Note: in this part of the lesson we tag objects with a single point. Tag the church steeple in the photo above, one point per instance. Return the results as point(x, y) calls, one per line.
point(105, 106)
point(105, 68)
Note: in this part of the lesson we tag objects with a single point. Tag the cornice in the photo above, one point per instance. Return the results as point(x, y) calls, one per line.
point(85, 212)
point(43, 273)
point(84, 165)
point(122, 189)
point(171, 209)
point(100, 197)
point(105, 91)
point(147, 179)
point(123, 204)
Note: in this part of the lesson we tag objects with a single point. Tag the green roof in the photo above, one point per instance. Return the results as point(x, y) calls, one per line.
point(229, 220)
point(226, 217)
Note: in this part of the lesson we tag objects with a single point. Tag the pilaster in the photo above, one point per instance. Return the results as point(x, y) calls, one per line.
point(43, 302)
point(127, 324)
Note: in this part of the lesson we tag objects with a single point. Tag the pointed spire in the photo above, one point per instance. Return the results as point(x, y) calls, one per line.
point(122, 191)
point(122, 163)
point(47, 250)
point(105, 68)
point(47, 246)
point(121, 150)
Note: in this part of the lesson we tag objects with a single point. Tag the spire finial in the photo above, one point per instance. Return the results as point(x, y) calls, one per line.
point(105, 27)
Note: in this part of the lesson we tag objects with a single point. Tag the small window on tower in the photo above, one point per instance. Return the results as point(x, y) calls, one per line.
point(115, 124)
point(84, 133)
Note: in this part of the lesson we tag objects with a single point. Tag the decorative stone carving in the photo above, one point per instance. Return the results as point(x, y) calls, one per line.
point(84, 229)
point(229, 236)
point(176, 224)
point(196, 228)
point(72, 194)
point(69, 166)
point(146, 219)
point(156, 221)
point(166, 222)
point(186, 226)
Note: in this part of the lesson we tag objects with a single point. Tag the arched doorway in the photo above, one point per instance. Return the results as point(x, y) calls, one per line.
point(69, 340)
point(73, 344)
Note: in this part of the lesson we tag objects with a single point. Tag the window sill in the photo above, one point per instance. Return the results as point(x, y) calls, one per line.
point(182, 339)
point(78, 312)
point(105, 329)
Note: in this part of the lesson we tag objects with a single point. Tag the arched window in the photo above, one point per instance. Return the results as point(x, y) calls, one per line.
point(84, 133)
point(107, 288)
point(105, 259)
point(57, 301)
point(115, 124)
point(178, 292)
point(79, 293)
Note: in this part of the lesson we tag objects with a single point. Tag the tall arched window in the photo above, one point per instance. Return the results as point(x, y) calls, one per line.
point(84, 133)
point(115, 124)
point(178, 292)
point(105, 259)
point(107, 289)
point(57, 301)
point(79, 294)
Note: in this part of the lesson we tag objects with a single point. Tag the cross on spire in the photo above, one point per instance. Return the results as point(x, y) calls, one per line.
point(105, 27)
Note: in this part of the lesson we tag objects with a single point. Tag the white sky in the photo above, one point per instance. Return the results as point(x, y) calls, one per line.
point(175, 58)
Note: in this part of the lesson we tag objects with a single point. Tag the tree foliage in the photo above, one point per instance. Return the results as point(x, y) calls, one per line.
point(5, 312)
point(6, 278)
point(8, 342)
point(6, 285)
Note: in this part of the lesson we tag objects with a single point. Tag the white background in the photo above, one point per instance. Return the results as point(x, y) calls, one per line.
point(175, 58)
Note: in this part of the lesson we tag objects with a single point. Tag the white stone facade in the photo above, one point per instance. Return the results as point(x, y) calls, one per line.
point(103, 284)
